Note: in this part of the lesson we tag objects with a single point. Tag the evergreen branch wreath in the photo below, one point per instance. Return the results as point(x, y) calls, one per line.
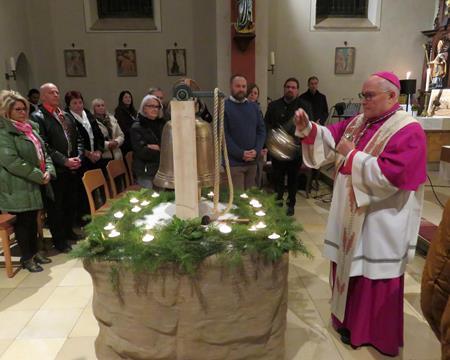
point(185, 244)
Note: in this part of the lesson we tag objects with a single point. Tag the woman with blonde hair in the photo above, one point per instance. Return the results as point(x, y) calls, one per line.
point(24, 168)
point(145, 135)
point(110, 128)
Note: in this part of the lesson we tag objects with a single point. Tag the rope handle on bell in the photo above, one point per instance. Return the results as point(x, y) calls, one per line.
point(219, 145)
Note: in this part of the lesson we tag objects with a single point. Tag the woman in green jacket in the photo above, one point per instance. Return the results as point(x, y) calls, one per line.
point(24, 168)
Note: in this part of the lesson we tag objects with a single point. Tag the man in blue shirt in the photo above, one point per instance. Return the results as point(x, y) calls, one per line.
point(245, 133)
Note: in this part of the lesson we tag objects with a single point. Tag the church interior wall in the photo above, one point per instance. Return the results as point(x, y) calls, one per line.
point(49, 27)
point(300, 52)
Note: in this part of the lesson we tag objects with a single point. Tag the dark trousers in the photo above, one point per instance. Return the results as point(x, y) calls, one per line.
point(25, 229)
point(61, 211)
point(280, 170)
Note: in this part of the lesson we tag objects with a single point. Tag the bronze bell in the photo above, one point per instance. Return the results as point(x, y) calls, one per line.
point(205, 156)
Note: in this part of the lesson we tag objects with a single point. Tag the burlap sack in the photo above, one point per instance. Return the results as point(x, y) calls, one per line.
point(220, 314)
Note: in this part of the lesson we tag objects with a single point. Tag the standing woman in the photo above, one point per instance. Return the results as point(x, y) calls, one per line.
point(145, 135)
point(253, 96)
point(87, 126)
point(125, 114)
point(24, 168)
point(110, 129)
point(93, 142)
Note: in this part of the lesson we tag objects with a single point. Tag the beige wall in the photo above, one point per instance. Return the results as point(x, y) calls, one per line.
point(14, 36)
point(301, 52)
point(42, 29)
point(53, 26)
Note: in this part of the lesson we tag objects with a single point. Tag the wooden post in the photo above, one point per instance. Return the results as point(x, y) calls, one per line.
point(185, 159)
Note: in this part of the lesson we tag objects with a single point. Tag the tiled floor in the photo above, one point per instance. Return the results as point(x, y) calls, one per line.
point(49, 316)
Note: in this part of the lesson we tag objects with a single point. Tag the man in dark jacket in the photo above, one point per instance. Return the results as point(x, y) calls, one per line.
point(65, 147)
point(317, 100)
point(279, 115)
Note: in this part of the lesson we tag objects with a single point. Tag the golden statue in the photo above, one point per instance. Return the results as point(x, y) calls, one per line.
point(439, 67)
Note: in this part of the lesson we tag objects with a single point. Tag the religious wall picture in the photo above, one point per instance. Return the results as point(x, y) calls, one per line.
point(176, 62)
point(344, 60)
point(126, 62)
point(439, 104)
point(75, 63)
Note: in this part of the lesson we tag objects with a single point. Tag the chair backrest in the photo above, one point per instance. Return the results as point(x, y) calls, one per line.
point(129, 163)
point(118, 177)
point(96, 189)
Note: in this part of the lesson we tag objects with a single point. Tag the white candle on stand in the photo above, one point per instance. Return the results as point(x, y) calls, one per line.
point(272, 58)
point(12, 63)
point(427, 81)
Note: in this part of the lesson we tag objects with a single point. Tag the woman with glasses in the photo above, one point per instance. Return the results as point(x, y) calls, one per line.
point(380, 159)
point(145, 136)
point(24, 168)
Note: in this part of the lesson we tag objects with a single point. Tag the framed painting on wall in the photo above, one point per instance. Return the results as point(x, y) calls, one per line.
point(74, 62)
point(344, 60)
point(176, 62)
point(126, 62)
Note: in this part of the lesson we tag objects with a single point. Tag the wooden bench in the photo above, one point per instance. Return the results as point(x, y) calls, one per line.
point(94, 181)
point(118, 178)
point(6, 230)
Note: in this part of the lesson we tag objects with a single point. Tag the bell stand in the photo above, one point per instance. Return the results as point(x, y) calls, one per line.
point(187, 197)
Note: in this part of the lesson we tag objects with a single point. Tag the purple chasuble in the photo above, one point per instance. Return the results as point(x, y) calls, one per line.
point(374, 311)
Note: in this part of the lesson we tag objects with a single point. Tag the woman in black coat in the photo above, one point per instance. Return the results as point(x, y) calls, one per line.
point(145, 135)
point(93, 142)
point(125, 114)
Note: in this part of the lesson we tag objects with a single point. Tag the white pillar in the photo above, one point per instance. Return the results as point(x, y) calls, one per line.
point(185, 159)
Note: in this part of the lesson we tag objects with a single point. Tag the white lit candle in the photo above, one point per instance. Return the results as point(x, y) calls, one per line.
point(145, 203)
point(272, 58)
point(408, 75)
point(210, 194)
point(148, 238)
point(118, 215)
point(260, 225)
point(155, 195)
point(244, 196)
point(109, 227)
point(136, 209)
point(260, 213)
point(252, 228)
point(225, 229)
point(427, 81)
point(12, 63)
point(134, 200)
point(255, 203)
point(274, 236)
point(114, 233)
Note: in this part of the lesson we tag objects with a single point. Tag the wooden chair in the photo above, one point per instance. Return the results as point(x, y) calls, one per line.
point(6, 230)
point(129, 164)
point(97, 191)
point(118, 178)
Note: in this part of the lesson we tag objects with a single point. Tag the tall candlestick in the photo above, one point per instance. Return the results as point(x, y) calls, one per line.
point(427, 81)
point(12, 63)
